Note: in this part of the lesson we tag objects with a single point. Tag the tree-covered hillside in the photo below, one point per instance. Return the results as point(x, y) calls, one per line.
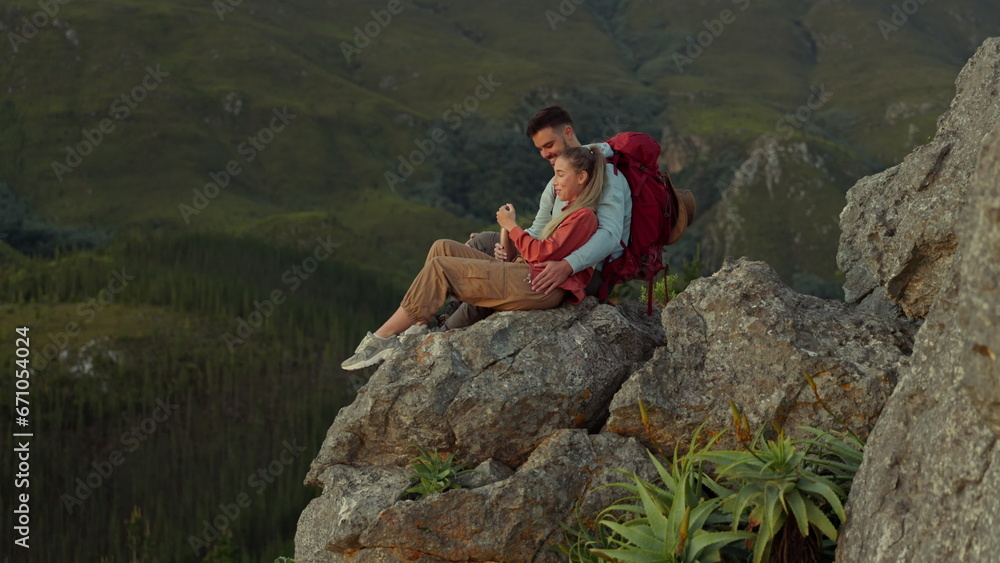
point(311, 106)
point(224, 155)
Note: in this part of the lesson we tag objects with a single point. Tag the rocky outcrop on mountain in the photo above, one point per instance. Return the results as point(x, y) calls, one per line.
point(518, 391)
point(929, 486)
point(898, 239)
point(527, 395)
point(743, 336)
point(546, 402)
point(492, 391)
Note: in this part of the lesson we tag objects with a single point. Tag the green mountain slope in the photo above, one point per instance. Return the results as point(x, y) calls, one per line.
point(368, 83)
point(207, 146)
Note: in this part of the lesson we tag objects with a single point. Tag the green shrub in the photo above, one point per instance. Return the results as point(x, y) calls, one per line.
point(667, 287)
point(435, 474)
point(774, 480)
point(664, 290)
point(675, 523)
point(780, 497)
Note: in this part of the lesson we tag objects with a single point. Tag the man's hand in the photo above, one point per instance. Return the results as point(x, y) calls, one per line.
point(499, 252)
point(554, 274)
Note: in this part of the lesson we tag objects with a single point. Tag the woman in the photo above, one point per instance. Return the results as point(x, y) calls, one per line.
point(453, 268)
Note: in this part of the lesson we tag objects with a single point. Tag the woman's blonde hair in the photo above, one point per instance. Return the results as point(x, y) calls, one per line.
point(587, 159)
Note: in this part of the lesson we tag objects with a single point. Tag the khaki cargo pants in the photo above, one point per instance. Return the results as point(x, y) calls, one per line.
point(452, 268)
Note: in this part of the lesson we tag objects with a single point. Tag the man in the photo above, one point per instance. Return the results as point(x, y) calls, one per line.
point(551, 131)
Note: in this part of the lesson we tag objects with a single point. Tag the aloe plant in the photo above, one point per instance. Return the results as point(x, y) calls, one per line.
point(674, 523)
point(773, 480)
point(434, 473)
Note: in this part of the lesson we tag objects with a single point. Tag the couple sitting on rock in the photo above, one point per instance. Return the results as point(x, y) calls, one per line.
point(583, 217)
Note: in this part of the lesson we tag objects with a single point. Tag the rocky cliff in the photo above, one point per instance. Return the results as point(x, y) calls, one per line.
point(930, 482)
point(545, 403)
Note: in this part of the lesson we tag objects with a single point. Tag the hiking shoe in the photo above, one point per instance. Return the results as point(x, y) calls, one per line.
point(371, 351)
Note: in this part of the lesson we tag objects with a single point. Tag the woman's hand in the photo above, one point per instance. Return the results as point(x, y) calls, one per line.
point(507, 216)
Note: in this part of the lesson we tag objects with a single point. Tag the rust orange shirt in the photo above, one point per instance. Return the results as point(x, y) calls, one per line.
point(575, 230)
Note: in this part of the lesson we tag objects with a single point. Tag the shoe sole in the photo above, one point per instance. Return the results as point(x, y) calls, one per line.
point(370, 361)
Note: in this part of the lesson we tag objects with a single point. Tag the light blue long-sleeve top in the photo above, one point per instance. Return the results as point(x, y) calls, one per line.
point(614, 215)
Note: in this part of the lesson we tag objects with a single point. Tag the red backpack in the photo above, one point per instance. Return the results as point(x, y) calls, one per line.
point(660, 213)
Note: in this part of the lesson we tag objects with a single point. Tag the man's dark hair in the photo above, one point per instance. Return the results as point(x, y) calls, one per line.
point(552, 116)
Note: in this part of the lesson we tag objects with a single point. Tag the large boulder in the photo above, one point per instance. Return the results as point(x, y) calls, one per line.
point(741, 335)
point(513, 519)
point(518, 391)
point(929, 486)
point(494, 390)
point(898, 230)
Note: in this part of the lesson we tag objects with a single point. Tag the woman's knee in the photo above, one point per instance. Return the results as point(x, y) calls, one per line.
point(439, 245)
point(442, 247)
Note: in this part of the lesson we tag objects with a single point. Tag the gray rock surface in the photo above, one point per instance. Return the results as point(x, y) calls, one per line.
point(352, 498)
point(898, 230)
point(743, 336)
point(929, 486)
point(492, 391)
point(514, 519)
point(978, 311)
